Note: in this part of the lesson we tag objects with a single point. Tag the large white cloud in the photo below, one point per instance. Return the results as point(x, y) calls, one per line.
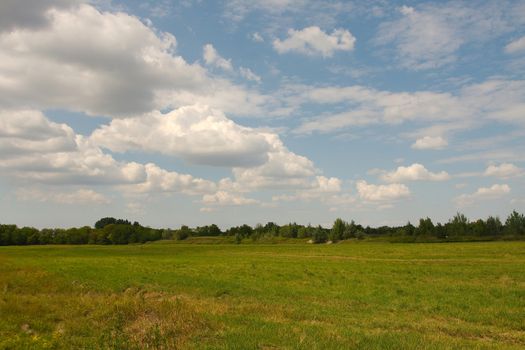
point(283, 169)
point(313, 41)
point(504, 170)
point(371, 192)
point(105, 63)
point(223, 198)
point(29, 13)
point(414, 172)
point(79, 196)
point(58, 156)
point(26, 132)
point(483, 193)
point(196, 133)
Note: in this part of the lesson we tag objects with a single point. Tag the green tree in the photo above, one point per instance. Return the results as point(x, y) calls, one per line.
point(425, 228)
point(515, 224)
point(319, 235)
point(337, 231)
point(458, 225)
point(183, 233)
point(494, 226)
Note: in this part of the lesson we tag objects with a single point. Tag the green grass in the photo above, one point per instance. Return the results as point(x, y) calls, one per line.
point(203, 295)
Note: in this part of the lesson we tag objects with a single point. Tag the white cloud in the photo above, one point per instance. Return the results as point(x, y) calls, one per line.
point(248, 74)
point(26, 131)
point(414, 172)
point(321, 189)
point(492, 100)
point(283, 169)
point(515, 46)
point(196, 133)
point(80, 196)
point(430, 142)
point(370, 192)
point(29, 13)
point(164, 181)
point(430, 35)
point(504, 170)
point(257, 37)
point(313, 41)
point(223, 198)
point(57, 156)
point(483, 193)
point(212, 58)
point(108, 64)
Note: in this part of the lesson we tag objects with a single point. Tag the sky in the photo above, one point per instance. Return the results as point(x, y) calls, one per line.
point(234, 112)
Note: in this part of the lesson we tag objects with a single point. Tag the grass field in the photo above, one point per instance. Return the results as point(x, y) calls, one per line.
point(364, 295)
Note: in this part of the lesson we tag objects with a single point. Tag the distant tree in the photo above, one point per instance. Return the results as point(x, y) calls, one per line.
point(349, 230)
point(319, 235)
point(289, 231)
point(425, 228)
point(360, 234)
point(494, 226)
point(478, 228)
point(7, 233)
point(440, 231)
point(214, 230)
point(110, 220)
point(118, 233)
point(271, 229)
point(458, 225)
point(302, 232)
point(409, 229)
point(245, 230)
point(515, 224)
point(182, 233)
point(337, 231)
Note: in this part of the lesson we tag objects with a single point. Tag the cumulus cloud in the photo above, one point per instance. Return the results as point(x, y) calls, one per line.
point(26, 132)
point(109, 64)
point(313, 41)
point(201, 135)
point(196, 133)
point(223, 198)
point(29, 13)
point(504, 170)
point(322, 188)
point(515, 46)
point(80, 196)
point(414, 172)
point(483, 193)
point(212, 58)
point(430, 142)
point(283, 169)
point(164, 181)
point(56, 155)
point(373, 193)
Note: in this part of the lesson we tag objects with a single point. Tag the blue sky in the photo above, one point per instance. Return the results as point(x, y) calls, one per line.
point(232, 112)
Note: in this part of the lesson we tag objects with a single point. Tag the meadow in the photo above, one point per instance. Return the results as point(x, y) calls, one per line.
point(201, 295)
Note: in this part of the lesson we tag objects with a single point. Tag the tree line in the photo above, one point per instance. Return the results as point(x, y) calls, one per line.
point(110, 230)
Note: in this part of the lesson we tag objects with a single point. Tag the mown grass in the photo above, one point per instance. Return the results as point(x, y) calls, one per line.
point(276, 296)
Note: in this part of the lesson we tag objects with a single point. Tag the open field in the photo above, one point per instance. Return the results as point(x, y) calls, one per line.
point(364, 295)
